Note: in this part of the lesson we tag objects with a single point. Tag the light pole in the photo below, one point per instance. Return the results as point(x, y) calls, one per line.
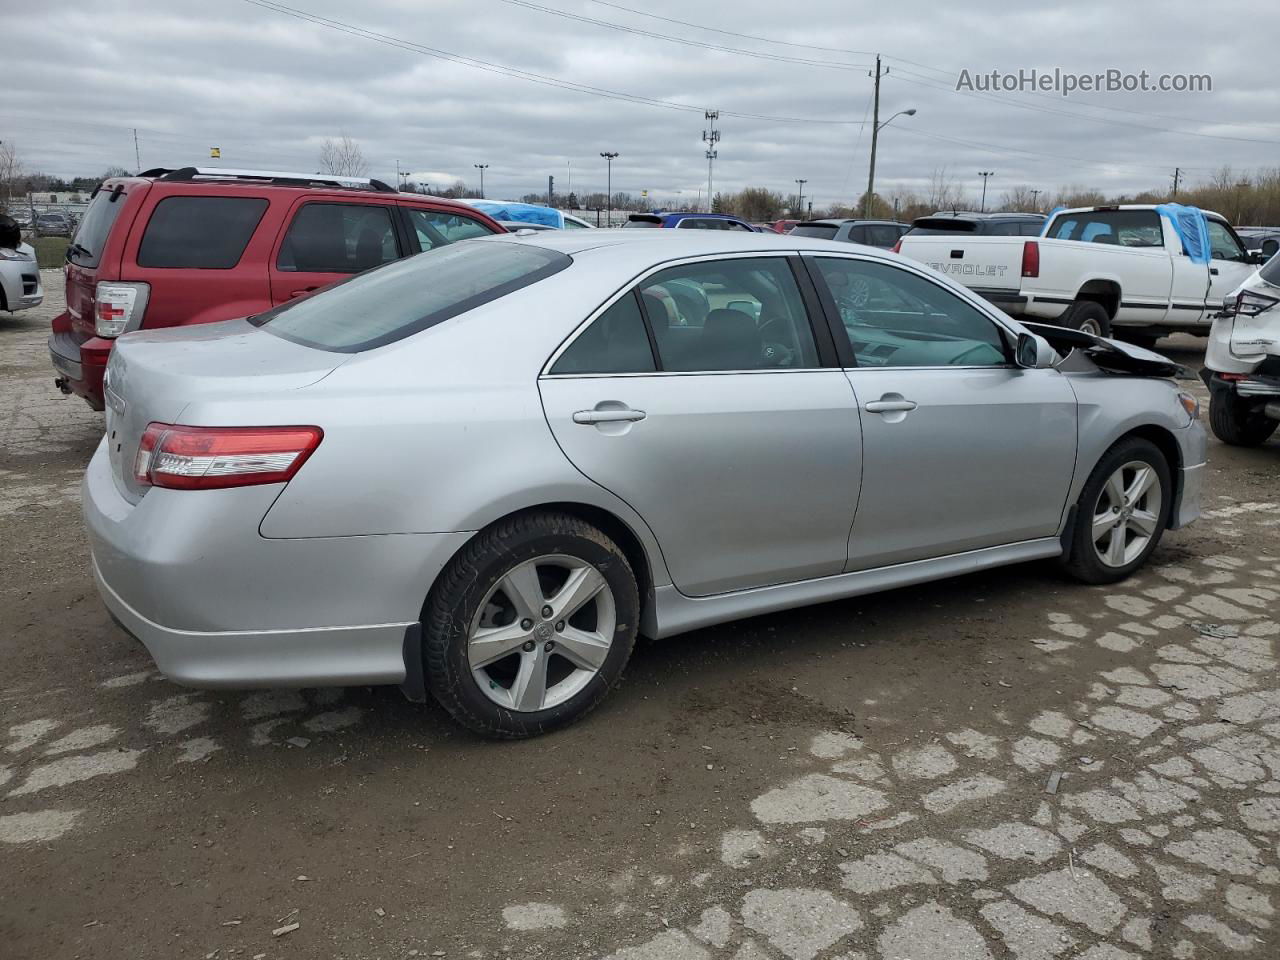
point(482, 167)
point(984, 174)
point(1034, 194)
point(875, 139)
point(800, 197)
point(608, 159)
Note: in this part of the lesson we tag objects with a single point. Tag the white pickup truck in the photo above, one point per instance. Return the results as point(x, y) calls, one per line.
point(1119, 270)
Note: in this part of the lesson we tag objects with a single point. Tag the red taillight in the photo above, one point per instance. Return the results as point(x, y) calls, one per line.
point(897, 247)
point(1030, 259)
point(207, 458)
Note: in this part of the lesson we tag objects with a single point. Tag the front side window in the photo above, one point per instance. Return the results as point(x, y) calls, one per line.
point(338, 238)
point(1124, 228)
point(896, 318)
point(1222, 245)
point(616, 342)
point(571, 223)
point(437, 229)
point(740, 314)
point(401, 298)
point(205, 233)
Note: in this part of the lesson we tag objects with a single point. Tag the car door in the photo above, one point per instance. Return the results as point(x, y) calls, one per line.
point(721, 426)
point(328, 239)
point(1229, 266)
point(961, 448)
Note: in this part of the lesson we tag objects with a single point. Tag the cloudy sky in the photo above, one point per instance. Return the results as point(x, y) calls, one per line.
point(439, 85)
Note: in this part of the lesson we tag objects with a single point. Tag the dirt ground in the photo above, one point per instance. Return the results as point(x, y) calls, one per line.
point(866, 779)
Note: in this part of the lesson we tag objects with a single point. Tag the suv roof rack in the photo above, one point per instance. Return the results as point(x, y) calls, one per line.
point(275, 177)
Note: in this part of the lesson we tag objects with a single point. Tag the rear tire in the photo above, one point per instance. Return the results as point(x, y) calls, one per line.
point(1088, 317)
point(558, 666)
point(1233, 423)
point(1115, 504)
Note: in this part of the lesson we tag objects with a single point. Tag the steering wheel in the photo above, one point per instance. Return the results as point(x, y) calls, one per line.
point(774, 354)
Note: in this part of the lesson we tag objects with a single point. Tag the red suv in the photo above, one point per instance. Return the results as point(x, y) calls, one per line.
point(172, 247)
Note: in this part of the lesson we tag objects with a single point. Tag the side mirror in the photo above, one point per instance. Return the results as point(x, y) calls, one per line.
point(1258, 258)
point(1269, 248)
point(1034, 352)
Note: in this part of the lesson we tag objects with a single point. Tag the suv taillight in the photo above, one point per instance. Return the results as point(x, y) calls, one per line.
point(206, 458)
point(118, 307)
point(1030, 259)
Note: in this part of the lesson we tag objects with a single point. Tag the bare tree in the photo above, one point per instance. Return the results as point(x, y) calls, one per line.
point(10, 172)
point(343, 158)
point(943, 192)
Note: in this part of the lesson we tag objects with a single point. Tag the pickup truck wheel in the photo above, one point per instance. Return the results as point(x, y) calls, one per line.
point(1234, 423)
point(1121, 513)
point(1087, 317)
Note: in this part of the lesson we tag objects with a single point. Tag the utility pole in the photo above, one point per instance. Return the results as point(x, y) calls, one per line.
point(551, 191)
point(608, 159)
point(1177, 175)
point(711, 138)
point(1034, 194)
point(482, 167)
point(800, 197)
point(137, 157)
point(875, 133)
point(984, 174)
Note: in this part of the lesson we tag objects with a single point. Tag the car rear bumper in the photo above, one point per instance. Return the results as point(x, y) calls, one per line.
point(80, 365)
point(218, 605)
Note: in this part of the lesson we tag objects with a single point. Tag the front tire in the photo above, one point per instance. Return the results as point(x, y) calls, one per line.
point(1233, 423)
point(530, 626)
point(1121, 514)
point(1087, 317)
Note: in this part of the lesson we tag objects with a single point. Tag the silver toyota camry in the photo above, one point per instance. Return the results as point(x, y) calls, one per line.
point(482, 471)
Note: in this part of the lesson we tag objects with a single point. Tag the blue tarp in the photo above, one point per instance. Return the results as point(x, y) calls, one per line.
point(520, 212)
point(1192, 230)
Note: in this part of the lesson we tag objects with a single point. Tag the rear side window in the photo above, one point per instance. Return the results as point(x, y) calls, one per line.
point(616, 342)
point(1125, 228)
point(338, 238)
point(882, 235)
point(207, 233)
point(86, 247)
point(404, 297)
point(436, 228)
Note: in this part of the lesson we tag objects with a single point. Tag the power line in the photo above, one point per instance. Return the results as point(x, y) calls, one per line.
point(739, 51)
point(948, 73)
point(542, 79)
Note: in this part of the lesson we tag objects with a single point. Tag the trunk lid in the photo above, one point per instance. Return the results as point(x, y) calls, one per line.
point(154, 375)
point(980, 263)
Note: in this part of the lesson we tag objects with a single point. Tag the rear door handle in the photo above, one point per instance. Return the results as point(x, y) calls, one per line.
point(889, 406)
point(303, 292)
point(608, 416)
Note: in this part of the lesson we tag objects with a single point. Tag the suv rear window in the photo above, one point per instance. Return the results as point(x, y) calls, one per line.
point(932, 226)
point(825, 231)
point(86, 246)
point(639, 220)
point(204, 233)
point(391, 302)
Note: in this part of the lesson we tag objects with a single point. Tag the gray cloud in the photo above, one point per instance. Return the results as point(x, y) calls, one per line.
point(267, 88)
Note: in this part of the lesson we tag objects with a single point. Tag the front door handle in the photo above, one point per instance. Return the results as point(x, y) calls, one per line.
point(890, 406)
point(1213, 271)
point(608, 416)
point(294, 294)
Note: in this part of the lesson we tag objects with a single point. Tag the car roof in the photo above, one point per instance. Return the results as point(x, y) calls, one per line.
point(652, 246)
point(842, 220)
point(981, 215)
point(185, 179)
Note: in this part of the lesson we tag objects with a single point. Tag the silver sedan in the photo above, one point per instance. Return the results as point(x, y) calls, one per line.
point(482, 471)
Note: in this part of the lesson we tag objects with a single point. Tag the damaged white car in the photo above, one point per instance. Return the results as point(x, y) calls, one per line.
point(1242, 363)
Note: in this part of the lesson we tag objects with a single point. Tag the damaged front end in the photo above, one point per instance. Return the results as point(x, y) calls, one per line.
point(1110, 355)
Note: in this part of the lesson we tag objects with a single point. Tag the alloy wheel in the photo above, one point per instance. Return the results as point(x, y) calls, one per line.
point(542, 633)
point(1127, 514)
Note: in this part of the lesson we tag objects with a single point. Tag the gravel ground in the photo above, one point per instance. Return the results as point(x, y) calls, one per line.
point(1000, 766)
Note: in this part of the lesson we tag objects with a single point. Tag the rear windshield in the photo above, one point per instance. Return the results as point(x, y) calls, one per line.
point(86, 247)
point(643, 222)
point(1270, 271)
point(1124, 228)
point(930, 228)
point(824, 230)
point(391, 302)
point(208, 233)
